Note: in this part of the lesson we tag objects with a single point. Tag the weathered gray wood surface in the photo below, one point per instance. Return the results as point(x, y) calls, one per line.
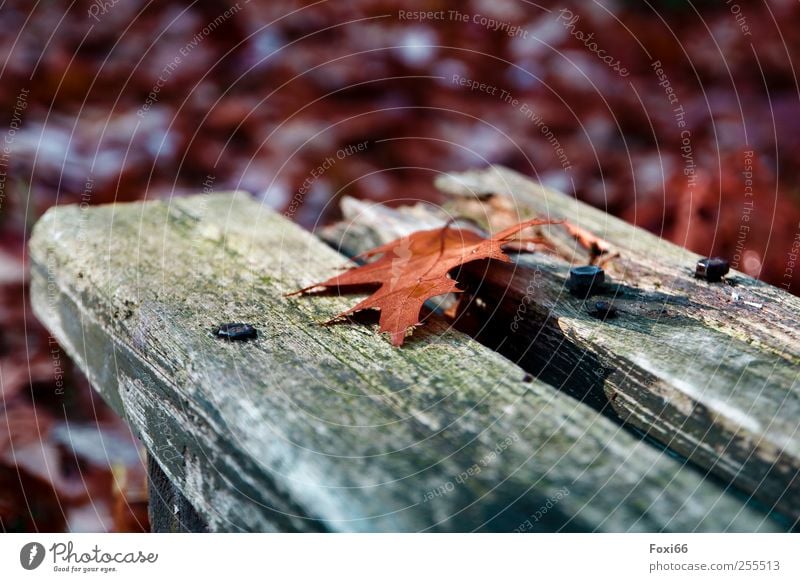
point(168, 510)
point(329, 428)
point(713, 378)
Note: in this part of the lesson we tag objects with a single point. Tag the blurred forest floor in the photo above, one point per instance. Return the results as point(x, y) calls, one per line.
point(110, 100)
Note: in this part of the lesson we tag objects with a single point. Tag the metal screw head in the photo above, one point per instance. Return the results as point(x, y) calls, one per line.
point(711, 269)
point(604, 310)
point(236, 332)
point(586, 279)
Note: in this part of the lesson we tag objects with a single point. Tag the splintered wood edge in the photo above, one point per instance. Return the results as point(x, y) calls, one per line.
point(131, 292)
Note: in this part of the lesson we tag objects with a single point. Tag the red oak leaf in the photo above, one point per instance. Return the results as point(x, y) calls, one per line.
point(588, 240)
point(414, 268)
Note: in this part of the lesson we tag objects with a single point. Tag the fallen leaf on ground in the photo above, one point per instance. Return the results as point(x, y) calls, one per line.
point(414, 268)
point(588, 240)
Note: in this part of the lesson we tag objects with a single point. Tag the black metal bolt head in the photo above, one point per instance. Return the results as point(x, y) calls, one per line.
point(604, 310)
point(711, 269)
point(586, 279)
point(238, 332)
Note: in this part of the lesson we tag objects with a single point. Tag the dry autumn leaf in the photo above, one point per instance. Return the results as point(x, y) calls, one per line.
point(588, 240)
point(414, 268)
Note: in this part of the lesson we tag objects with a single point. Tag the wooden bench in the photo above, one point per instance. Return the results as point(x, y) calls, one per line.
point(330, 428)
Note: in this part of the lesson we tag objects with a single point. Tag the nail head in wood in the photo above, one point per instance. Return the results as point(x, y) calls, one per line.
point(604, 310)
point(585, 280)
point(236, 332)
point(712, 269)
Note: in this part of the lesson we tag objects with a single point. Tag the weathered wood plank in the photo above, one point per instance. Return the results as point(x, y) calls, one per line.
point(711, 370)
point(329, 428)
point(169, 511)
point(714, 379)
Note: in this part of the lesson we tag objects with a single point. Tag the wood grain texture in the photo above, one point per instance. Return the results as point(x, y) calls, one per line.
point(315, 427)
point(711, 377)
point(169, 511)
